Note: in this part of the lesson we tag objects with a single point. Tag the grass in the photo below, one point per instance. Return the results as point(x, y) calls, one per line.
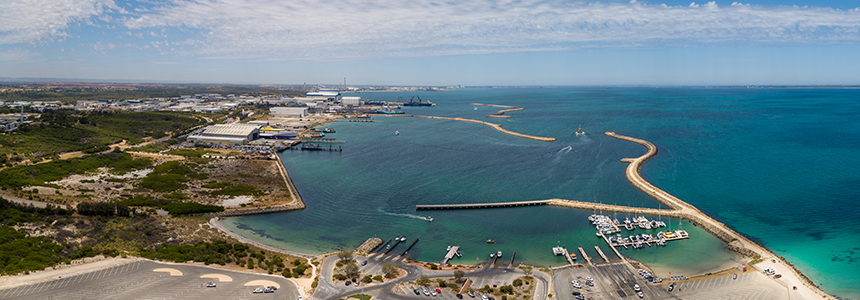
point(360, 296)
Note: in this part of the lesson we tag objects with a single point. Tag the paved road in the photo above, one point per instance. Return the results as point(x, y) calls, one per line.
point(145, 279)
point(327, 289)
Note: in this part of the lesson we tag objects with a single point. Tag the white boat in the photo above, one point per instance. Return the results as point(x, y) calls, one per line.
point(403, 238)
point(499, 254)
point(449, 249)
point(492, 255)
point(579, 131)
point(558, 250)
point(428, 218)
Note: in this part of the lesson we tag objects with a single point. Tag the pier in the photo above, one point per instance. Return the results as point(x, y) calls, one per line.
point(512, 258)
point(451, 253)
point(396, 242)
point(323, 140)
point(319, 148)
point(569, 259)
point(613, 249)
point(383, 246)
point(410, 247)
point(588, 259)
point(482, 205)
point(601, 253)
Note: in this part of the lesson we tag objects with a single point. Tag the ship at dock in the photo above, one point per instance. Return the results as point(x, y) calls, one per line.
point(412, 102)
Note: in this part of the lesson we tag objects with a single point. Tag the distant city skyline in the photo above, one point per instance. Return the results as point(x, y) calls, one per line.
point(481, 42)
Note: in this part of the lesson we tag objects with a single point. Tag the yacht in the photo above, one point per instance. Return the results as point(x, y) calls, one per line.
point(558, 250)
point(403, 238)
point(499, 254)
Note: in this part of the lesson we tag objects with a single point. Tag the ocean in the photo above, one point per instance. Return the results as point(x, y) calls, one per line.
point(778, 165)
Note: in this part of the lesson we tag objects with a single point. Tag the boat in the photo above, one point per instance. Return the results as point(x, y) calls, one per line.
point(403, 238)
point(397, 133)
point(573, 256)
point(499, 254)
point(579, 131)
point(492, 255)
point(388, 111)
point(491, 242)
point(599, 234)
point(419, 103)
point(428, 218)
point(558, 250)
point(328, 130)
point(278, 134)
point(449, 249)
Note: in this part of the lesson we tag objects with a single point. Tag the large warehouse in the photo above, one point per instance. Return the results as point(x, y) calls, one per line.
point(288, 112)
point(228, 134)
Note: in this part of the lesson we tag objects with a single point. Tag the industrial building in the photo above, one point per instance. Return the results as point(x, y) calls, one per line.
point(331, 95)
point(227, 134)
point(288, 112)
point(351, 101)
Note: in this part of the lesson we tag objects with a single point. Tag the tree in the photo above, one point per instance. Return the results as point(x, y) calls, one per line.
point(367, 279)
point(527, 270)
point(344, 255)
point(506, 289)
point(390, 270)
point(458, 275)
point(351, 270)
point(424, 279)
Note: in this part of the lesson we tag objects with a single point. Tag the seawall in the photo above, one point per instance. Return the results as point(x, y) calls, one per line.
point(495, 126)
point(737, 242)
point(296, 204)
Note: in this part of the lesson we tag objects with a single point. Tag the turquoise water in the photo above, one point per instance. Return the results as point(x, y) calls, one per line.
point(778, 165)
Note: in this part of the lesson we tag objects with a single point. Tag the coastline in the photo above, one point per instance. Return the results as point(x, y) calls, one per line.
point(737, 242)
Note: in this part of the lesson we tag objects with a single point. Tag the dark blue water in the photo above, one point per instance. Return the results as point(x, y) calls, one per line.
point(778, 165)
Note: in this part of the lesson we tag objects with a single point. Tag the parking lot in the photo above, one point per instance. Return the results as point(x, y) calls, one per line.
point(611, 281)
point(748, 286)
point(145, 279)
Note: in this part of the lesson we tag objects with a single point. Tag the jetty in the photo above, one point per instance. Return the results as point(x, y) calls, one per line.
point(495, 126)
point(601, 253)
point(501, 113)
point(588, 259)
point(569, 259)
point(482, 205)
point(410, 247)
point(451, 253)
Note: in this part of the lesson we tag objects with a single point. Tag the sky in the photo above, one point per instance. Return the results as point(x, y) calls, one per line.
point(434, 42)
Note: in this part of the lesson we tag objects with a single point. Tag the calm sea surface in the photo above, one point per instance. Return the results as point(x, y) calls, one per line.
point(778, 165)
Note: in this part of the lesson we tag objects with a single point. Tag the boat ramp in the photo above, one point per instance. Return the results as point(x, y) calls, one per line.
point(451, 253)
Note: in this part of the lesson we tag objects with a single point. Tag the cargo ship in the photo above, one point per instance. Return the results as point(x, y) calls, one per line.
point(419, 103)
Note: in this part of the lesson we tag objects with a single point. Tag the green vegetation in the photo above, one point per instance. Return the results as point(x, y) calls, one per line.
point(20, 253)
point(390, 270)
point(216, 185)
point(40, 174)
point(62, 131)
point(13, 213)
point(191, 208)
point(103, 209)
point(238, 190)
point(169, 177)
point(360, 297)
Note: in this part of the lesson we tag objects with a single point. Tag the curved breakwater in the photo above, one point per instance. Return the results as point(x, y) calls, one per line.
point(495, 126)
point(736, 241)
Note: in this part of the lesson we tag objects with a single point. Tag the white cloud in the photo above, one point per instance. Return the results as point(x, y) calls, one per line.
point(351, 29)
point(28, 21)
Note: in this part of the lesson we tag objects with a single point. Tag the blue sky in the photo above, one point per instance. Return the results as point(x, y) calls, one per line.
point(430, 42)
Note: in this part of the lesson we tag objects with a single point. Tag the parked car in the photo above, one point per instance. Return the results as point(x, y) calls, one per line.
point(269, 290)
point(459, 296)
point(364, 263)
point(347, 283)
point(258, 290)
point(210, 284)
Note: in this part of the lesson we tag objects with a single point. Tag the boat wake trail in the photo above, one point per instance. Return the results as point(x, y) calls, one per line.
point(565, 149)
point(401, 215)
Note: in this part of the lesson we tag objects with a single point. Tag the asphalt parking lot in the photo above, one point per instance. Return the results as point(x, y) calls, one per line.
point(748, 286)
point(145, 279)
